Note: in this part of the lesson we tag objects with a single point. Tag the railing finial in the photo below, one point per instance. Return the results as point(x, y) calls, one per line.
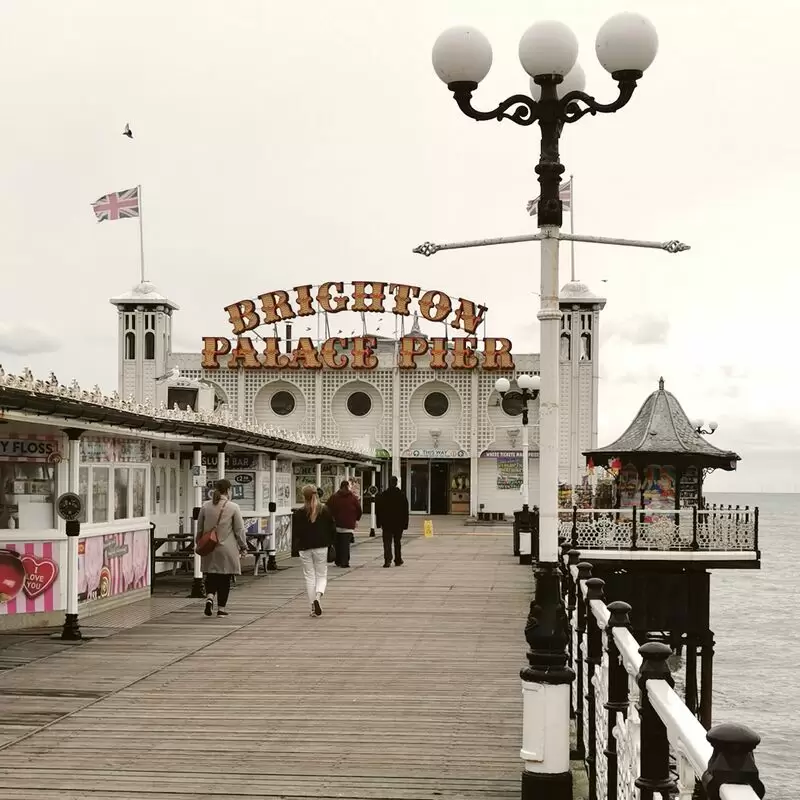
point(619, 615)
point(594, 589)
point(654, 664)
point(732, 760)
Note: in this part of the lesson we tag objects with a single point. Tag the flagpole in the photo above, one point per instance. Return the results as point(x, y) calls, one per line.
point(572, 226)
point(141, 232)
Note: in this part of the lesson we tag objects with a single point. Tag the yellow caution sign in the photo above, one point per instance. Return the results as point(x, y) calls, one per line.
point(427, 528)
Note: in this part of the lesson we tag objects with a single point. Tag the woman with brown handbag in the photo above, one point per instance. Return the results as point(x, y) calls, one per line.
point(220, 544)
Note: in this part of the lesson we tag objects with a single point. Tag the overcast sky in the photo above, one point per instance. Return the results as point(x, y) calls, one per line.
point(281, 143)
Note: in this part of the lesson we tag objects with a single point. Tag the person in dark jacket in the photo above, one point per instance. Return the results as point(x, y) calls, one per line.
point(391, 516)
point(346, 510)
point(312, 534)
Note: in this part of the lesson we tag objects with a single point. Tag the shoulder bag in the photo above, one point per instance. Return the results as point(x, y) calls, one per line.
point(209, 540)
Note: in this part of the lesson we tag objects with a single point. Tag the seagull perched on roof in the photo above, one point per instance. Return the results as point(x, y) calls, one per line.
point(172, 375)
point(128, 132)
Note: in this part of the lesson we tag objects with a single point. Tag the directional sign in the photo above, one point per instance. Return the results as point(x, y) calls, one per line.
point(69, 506)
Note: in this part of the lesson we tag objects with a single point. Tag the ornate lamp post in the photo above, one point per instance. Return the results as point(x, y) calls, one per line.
point(626, 46)
point(529, 386)
point(700, 424)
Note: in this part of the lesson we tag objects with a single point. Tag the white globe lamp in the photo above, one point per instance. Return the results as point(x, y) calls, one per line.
point(626, 42)
point(548, 48)
point(574, 81)
point(502, 385)
point(462, 53)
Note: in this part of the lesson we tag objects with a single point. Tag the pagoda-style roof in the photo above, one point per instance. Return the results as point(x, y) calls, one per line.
point(662, 428)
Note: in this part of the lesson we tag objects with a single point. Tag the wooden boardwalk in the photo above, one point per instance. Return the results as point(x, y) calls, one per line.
point(407, 687)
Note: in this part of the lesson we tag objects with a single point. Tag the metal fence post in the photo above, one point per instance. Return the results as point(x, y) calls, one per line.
point(732, 760)
point(654, 771)
point(594, 656)
point(617, 687)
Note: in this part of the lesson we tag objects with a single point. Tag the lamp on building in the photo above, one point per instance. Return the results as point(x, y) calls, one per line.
point(513, 433)
point(626, 45)
point(435, 435)
point(699, 426)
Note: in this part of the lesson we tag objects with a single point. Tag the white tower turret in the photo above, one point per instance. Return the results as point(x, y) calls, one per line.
point(145, 340)
point(580, 377)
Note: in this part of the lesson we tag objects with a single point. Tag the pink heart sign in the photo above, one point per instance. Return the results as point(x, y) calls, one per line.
point(40, 575)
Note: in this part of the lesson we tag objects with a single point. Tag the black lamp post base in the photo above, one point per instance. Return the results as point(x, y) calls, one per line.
point(546, 786)
point(71, 632)
point(372, 533)
point(198, 588)
point(272, 564)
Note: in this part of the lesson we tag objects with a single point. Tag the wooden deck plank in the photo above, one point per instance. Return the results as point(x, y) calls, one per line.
point(406, 689)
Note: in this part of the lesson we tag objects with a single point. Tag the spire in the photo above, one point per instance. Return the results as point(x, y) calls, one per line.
point(660, 384)
point(415, 329)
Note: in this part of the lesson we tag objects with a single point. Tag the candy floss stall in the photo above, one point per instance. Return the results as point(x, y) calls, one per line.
point(31, 546)
point(113, 549)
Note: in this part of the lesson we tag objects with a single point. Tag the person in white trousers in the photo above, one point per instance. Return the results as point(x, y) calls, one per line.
point(313, 531)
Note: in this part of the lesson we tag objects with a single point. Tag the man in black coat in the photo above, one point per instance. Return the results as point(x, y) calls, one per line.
point(391, 516)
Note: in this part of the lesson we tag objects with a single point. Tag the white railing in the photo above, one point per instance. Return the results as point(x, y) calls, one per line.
point(689, 743)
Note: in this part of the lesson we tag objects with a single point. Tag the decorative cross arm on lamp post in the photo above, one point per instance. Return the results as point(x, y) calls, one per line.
point(626, 46)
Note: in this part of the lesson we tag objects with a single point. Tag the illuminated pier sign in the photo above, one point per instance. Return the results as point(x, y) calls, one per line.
point(356, 352)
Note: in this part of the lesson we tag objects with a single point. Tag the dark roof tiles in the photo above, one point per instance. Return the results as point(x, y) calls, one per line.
point(661, 426)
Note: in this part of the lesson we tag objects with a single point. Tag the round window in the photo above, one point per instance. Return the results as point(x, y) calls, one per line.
point(359, 404)
point(436, 404)
point(282, 403)
point(512, 404)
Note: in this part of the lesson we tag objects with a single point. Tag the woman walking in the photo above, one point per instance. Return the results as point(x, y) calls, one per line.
point(312, 533)
point(223, 562)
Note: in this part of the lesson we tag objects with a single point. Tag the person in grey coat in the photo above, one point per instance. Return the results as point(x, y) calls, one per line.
point(223, 562)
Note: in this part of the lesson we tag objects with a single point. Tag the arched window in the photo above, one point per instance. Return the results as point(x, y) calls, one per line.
point(149, 346)
point(566, 347)
point(130, 345)
point(586, 347)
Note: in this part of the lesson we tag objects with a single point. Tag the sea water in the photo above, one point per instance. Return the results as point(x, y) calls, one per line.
point(755, 616)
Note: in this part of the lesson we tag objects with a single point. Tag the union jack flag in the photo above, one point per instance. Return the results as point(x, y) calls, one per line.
point(117, 205)
point(564, 195)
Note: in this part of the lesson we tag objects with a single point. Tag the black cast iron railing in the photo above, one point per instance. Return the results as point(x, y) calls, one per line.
point(636, 736)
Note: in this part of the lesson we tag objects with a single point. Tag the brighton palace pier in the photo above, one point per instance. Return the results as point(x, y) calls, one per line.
point(99, 495)
point(427, 405)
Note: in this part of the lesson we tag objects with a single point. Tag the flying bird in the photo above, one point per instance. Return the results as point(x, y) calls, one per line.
point(128, 132)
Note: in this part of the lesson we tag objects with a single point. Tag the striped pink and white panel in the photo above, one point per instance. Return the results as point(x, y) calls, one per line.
point(41, 591)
